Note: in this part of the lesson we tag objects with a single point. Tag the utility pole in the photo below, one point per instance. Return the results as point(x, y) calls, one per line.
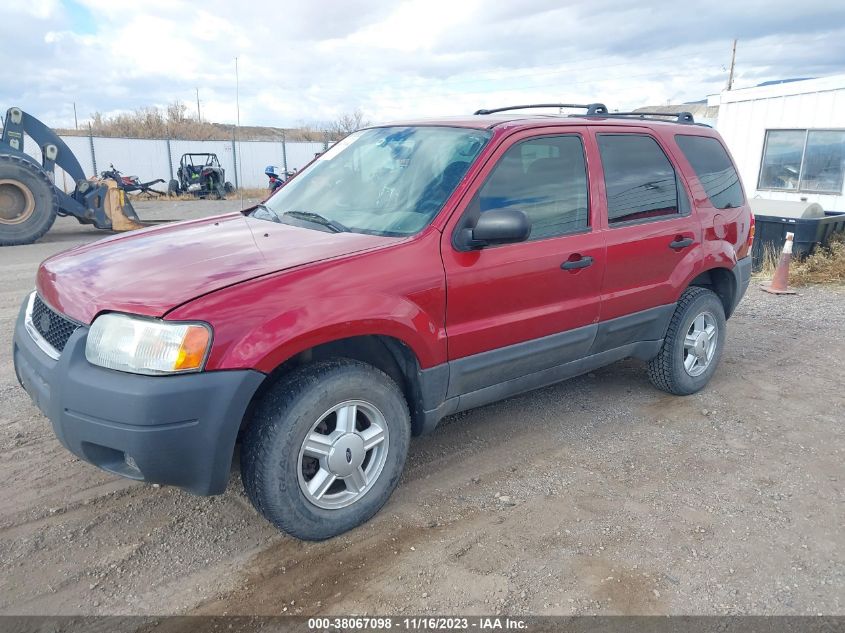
point(75, 120)
point(733, 62)
point(199, 116)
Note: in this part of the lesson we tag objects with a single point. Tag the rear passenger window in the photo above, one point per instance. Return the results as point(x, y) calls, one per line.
point(714, 169)
point(547, 179)
point(640, 181)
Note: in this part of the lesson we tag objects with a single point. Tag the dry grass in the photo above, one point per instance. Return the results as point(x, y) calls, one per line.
point(251, 194)
point(771, 256)
point(175, 122)
point(825, 266)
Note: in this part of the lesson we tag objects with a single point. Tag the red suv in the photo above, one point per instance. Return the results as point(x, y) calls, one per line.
point(412, 271)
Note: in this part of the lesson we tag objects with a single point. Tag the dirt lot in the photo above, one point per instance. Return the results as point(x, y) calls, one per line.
point(599, 495)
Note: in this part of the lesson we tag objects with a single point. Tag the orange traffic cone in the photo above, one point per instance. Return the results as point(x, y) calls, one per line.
point(779, 285)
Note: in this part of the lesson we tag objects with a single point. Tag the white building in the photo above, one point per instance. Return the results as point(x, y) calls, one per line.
point(788, 139)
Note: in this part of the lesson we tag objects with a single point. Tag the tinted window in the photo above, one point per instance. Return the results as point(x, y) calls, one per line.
point(714, 169)
point(640, 180)
point(547, 179)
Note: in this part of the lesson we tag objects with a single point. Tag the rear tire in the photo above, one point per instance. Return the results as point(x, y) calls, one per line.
point(28, 201)
point(352, 412)
point(173, 187)
point(229, 187)
point(693, 345)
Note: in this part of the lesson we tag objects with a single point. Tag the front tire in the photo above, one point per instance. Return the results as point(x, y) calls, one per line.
point(28, 201)
point(326, 448)
point(693, 345)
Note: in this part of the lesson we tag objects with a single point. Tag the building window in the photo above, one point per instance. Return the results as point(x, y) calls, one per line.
point(803, 160)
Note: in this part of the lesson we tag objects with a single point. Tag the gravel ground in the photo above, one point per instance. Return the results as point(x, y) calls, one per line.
point(598, 495)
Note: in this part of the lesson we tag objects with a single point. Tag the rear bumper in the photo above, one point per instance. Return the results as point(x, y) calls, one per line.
point(742, 277)
point(175, 430)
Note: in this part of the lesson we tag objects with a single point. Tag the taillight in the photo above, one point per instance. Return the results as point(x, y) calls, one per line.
point(751, 230)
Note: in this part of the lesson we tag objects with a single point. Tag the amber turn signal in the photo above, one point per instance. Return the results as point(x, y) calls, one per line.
point(193, 349)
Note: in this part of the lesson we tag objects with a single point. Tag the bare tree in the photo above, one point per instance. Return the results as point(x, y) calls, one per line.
point(308, 132)
point(152, 122)
point(347, 123)
point(177, 114)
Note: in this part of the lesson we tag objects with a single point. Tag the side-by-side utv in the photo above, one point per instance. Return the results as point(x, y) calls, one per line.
point(200, 174)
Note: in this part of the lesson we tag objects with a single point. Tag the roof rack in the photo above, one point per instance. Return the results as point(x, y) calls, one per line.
point(592, 108)
point(680, 117)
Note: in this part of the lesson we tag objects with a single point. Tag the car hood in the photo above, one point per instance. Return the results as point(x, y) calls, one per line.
point(151, 271)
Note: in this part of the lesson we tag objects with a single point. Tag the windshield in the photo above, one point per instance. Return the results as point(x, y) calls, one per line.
point(383, 181)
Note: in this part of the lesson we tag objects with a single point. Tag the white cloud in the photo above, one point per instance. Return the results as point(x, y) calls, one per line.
point(395, 59)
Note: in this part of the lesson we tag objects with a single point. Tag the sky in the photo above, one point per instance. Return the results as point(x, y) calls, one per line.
point(314, 61)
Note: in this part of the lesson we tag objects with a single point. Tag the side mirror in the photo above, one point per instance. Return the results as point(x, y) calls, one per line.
point(498, 226)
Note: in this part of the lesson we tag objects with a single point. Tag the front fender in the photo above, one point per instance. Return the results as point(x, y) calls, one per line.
point(282, 337)
point(398, 292)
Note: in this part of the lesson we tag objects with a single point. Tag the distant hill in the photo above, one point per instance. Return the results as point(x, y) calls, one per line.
point(173, 122)
point(204, 131)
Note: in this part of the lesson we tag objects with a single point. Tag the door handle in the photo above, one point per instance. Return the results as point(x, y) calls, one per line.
point(578, 263)
point(682, 243)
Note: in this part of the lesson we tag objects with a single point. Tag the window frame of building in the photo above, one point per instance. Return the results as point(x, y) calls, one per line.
point(800, 188)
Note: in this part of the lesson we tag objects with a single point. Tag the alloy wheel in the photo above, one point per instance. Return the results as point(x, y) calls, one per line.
point(343, 454)
point(700, 344)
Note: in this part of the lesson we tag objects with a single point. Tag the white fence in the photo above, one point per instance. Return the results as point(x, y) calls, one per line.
point(151, 158)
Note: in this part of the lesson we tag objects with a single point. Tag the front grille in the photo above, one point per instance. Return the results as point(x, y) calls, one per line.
point(55, 328)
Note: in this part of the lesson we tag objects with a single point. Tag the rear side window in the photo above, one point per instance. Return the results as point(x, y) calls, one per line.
point(547, 179)
point(640, 181)
point(714, 169)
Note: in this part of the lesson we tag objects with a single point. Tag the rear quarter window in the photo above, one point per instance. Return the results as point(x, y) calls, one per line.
point(714, 169)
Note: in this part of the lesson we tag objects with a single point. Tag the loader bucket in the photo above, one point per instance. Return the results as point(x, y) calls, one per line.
point(29, 198)
point(118, 208)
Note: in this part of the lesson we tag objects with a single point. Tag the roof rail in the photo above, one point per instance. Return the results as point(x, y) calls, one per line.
point(680, 117)
point(592, 108)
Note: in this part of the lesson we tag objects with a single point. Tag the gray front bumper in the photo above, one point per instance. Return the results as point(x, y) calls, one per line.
point(176, 430)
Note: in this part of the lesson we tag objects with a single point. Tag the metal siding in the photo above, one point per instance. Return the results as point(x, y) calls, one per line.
point(147, 158)
point(744, 117)
point(142, 158)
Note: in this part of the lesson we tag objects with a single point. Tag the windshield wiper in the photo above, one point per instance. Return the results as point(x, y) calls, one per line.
point(316, 218)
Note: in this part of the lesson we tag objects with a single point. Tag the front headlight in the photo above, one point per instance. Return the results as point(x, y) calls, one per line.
point(147, 346)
